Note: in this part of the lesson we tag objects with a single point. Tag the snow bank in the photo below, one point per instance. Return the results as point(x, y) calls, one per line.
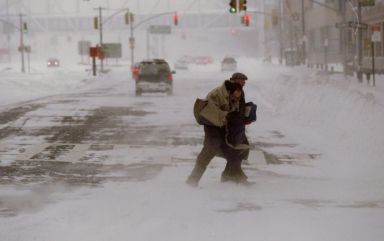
point(341, 116)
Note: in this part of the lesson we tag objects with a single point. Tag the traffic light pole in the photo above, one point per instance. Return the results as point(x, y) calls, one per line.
point(101, 22)
point(132, 41)
point(21, 48)
point(101, 38)
point(304, 57)
point(359, 45)
point(281, 32)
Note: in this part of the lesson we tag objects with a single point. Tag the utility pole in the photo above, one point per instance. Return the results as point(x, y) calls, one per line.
point(281, 30)
point(21, 48)
point(148, 43)
point(304, 57)
point(8, 33)
point(131, 39)
point(359, 44)
point(101, 37)
point(344, 45)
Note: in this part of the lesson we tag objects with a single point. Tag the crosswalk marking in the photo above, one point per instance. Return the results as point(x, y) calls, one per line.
point(32, 150)
point(76, 153)
point(256, 157)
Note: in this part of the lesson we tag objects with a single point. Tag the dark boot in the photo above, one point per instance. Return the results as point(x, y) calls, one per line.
point(203, 159)
point(194, 178)
point(234, 173)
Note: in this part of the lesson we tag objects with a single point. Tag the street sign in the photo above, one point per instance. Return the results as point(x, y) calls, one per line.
point(83, 47)
point(376, 32)
point(375, 27)
point(26, 48)
point(93, 52)
point(159, 29)
point(112, 50)
point(367, 3)
point(341, 25)
point(352, 24)
point(376, 37)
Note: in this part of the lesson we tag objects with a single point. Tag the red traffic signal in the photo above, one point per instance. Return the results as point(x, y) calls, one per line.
point(246, 19)
point(175, 19)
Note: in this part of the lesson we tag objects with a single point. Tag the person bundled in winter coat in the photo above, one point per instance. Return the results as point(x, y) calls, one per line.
point(236, 137)
point(223, 103)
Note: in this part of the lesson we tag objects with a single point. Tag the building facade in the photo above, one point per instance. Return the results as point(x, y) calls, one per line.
point(330, 33)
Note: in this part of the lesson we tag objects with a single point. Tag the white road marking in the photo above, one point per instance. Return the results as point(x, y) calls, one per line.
point(32, 150)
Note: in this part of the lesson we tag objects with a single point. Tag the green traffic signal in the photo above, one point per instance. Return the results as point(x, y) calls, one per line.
point(232, 6)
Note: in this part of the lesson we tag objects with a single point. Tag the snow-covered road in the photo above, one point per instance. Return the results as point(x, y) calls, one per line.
point(316, 159)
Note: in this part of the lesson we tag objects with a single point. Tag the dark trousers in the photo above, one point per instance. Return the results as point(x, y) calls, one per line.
point(233, 171)
point(215, 145)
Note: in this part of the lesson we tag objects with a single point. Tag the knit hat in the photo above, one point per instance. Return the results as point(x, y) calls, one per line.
point(238, 75)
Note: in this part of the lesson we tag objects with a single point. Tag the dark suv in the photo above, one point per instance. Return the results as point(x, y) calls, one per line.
point(154, 75)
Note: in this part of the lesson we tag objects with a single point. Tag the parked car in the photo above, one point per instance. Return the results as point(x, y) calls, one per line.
point(154, 75)
point(181, 64)
point(228, 64)
point(53, 62)
point(201, 60)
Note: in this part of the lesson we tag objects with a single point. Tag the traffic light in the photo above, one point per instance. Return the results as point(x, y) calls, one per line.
point(247, 19)
point(127, 18)
point(275, 17)
point(96, 23)
point(25, 27)
point(243, 5)
point(366, 3)
point(175, 19)
point(232, 6)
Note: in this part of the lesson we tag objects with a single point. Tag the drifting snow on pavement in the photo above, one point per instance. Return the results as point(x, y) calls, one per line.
point(94, 162)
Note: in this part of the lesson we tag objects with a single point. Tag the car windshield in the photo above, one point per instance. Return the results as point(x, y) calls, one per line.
point(148, 68)
point(229, 60)
point(153, 68)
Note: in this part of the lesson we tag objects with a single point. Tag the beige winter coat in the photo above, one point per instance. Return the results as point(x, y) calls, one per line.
point(219, 105)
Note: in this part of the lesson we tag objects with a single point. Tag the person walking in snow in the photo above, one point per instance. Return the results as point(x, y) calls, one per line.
point(236, 139)
point(223, 107)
